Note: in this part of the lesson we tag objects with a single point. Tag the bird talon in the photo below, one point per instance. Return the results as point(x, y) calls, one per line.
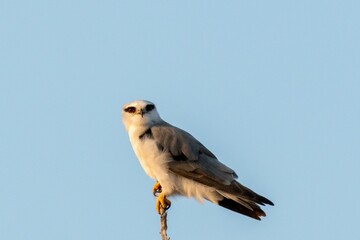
point(162, 202)
point(156, 193)
point(157, 189)
point(168, 206)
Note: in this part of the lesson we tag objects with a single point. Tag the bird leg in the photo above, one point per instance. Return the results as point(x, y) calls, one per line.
point(156, 189)
point(162, 202)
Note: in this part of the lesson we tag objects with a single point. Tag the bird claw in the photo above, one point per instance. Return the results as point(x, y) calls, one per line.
point(162, 202)
point(157, 189)
point(168, 206)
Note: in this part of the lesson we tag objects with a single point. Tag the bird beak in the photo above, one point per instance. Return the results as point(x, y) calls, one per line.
point(142, 111)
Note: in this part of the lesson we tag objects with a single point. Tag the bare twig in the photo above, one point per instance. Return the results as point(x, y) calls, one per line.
point(163, 224)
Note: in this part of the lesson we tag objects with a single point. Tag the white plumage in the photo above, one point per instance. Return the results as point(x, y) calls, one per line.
point(182, 165)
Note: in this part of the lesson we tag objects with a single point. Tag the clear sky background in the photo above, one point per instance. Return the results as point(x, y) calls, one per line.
point(271, 87)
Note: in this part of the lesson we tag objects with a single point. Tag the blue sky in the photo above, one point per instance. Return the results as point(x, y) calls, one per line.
point(271, 87)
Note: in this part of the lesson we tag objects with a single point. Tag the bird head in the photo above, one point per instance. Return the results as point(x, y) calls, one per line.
point(140, 113)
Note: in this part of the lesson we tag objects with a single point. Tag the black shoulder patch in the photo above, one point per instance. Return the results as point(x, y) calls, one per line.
point(147, 133)
point(160, 147)
point(180, 157)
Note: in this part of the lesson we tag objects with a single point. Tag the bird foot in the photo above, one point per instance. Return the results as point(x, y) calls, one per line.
point(162, 202)
point(156, 189)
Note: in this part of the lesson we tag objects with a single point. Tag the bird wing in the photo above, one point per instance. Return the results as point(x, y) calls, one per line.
point(192, 160)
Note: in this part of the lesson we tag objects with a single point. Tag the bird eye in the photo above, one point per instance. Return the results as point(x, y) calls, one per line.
point(130, 109)
point(149, 107)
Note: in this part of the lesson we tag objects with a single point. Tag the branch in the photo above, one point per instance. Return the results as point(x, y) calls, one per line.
point(163, 224)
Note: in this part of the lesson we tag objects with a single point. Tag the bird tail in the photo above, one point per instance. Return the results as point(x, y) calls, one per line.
point(253, 212)
point(243, 200)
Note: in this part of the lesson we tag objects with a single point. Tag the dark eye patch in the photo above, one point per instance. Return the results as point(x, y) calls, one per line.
point(130, 109)
point(149, 107)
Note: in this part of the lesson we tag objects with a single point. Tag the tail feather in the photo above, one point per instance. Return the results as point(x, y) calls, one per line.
point(244, 192)
point(230, 204)
point(263, 200)
point(241, 199)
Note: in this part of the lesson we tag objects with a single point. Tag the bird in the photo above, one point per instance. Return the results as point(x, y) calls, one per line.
point(181, 165)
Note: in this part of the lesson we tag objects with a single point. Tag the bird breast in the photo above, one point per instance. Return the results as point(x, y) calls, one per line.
point(153, 161)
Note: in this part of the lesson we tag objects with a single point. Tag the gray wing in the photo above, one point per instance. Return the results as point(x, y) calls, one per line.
point(192, 160)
